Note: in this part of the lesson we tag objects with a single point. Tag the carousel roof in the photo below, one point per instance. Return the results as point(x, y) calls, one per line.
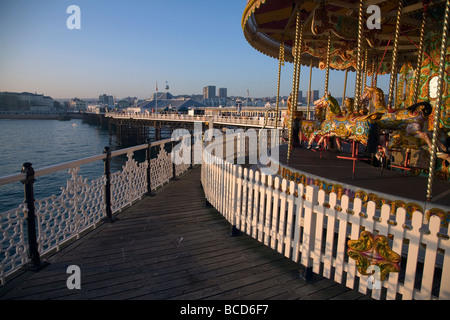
point(268, 23)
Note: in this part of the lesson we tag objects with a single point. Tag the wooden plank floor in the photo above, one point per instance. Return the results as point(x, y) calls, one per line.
point(171, 246)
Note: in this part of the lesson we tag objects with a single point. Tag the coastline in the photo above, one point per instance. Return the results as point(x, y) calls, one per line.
point(38, 116)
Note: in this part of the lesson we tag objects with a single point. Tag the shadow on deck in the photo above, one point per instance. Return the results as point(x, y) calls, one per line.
point(171, 246)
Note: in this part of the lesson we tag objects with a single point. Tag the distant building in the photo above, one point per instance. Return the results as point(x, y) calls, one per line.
point(9, 101)
point(106, 100)
point(162, 96)
point(166, 102)
point(314, 95)
point(26, 102)
point(77, 104)
point(209, 92)
point(222, 93)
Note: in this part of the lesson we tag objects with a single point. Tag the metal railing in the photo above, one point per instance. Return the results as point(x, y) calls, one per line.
point(229, 120)
point(39, 226)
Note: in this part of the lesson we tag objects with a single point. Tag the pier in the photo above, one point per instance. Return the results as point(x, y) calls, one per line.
point(165, 249)
point(158, 229)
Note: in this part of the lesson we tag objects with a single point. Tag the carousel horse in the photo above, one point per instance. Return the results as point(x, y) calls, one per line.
point(349, 126)
point(347, 106)
point(405, 122)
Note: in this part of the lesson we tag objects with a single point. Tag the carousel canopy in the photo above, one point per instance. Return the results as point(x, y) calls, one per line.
point(268, 23)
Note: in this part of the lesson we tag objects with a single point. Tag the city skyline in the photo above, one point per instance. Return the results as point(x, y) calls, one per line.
point(125, 48)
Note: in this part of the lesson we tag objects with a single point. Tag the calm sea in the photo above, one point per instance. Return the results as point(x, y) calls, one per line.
point(45, 143)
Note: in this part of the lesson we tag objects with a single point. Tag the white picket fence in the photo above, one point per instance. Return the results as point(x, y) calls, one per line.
point(313, 228)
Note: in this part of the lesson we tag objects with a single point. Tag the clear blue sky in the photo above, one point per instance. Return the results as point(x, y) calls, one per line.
point(125, 47)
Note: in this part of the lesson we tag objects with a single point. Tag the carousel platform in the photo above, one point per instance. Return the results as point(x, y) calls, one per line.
point(326, 164)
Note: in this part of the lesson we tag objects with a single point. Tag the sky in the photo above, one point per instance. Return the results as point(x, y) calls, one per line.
point(125, 47)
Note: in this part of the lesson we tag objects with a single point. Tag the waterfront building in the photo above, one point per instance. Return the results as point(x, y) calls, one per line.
point(77, 104)
point(26, 102)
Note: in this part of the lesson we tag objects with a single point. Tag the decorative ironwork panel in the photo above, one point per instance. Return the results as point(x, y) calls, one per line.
point(182, 167)
point(161, 169)
point(79, 206)
point(14, 250)
point(128, 185)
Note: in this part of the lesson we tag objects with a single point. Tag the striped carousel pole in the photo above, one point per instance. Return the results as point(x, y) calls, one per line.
point(394, 64)
point(327, 75)
point(280, 64)
point(439, 102)
point(295, 84)
point(420, 54)
point(374, 72)
point(309, 90)
point(344, 94)
point(359, 57)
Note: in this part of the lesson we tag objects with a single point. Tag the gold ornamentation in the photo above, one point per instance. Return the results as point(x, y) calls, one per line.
point(373, 250)
point(444, 216)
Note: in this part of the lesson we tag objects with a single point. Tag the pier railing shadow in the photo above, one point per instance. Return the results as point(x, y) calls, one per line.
point(37, 227)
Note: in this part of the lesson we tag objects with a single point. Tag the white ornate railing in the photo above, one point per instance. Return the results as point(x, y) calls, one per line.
point(315, 229)
point(81, 205)
point(236, 120)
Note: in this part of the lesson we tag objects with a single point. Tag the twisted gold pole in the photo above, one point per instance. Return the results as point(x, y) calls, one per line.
point(345, 85)
point(375, 73)
point(309, 91)
point(394, 56)
point(439, 102)
point(280, 64)
point(366, 70)
point(359, 57)
point(327, 75)
point(419, 57)
point(297, 63)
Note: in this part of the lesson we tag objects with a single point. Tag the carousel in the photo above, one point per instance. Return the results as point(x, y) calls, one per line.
point(406, 128)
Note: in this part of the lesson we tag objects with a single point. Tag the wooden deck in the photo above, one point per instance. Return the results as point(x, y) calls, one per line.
point(171, 246)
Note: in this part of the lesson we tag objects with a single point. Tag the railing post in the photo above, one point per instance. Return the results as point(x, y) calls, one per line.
point(192, 150)
point(149, 168)
point(33, 252)
point(174, 167)
point(107, 171)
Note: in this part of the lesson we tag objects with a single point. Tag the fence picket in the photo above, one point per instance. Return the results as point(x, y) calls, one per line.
point(282, 225)
point(382, 225)
point(342, 216)
point(239, 197)
point(398, 232)
point(275, 214)
point(256, 200)
point(444, 292)
point(414, 237)
point(268, 210)
point(355, 220)
point(234, 184)
point(290, 220)
point(320, 223)
point(431, 241)
point(250, 195)
point(369, 225)
point(261, 212)
point(329, 244)
point(308, 226)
